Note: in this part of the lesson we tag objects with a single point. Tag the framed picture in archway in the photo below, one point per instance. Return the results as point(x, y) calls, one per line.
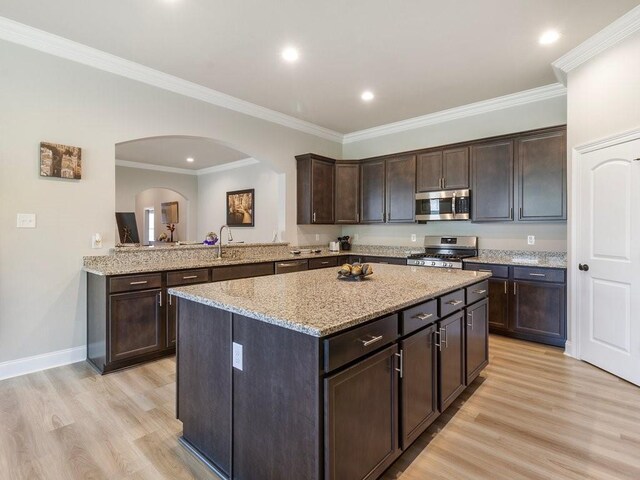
point(240, 208)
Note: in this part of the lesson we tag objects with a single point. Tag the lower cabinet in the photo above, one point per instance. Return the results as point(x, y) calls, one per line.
point(137, 322)
point(539, 309)
point(361, 418)
point(418, 385)
point(451, 358)
point(499, 305)
point(477, 339)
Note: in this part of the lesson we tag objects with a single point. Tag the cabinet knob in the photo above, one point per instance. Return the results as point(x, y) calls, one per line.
point(583, 267)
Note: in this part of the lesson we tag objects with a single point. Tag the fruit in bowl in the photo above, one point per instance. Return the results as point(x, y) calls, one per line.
point(356, 271)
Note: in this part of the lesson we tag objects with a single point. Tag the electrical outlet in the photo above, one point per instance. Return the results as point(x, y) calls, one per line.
point(413, 237)
point(96, 240)
point(317, 237)
point(237, 356)
point(26, 220)
point(531, 240)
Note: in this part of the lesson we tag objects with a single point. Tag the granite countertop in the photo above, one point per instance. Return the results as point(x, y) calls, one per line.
point(316, 303)
point(521, 258)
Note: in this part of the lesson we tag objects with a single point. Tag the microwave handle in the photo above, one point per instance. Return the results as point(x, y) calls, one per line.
point(453, 204)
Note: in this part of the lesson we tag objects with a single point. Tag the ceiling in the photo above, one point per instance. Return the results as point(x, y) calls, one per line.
point(417, 56)
point(173, 152)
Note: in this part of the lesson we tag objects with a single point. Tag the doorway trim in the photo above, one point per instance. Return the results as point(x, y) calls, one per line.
point(572, 346)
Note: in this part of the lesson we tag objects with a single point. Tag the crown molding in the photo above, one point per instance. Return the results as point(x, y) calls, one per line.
point(484, 106)
point(185, 171)
point(615, 139)
point(626, 25)
point(27, 36)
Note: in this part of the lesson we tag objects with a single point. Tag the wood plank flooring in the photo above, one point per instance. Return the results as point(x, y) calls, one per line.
point(533, 414)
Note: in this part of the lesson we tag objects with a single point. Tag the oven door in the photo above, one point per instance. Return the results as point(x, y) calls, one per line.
point(444, 205)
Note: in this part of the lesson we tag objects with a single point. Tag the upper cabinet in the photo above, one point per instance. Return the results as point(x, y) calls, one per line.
point(401, 187)
point(440, 169)
point(542, 176)
point(315, 189)
point(492, 181)
point(347, 192)
point(372, 191)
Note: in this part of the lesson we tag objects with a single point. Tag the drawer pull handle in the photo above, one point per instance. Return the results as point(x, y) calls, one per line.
point(453, 303)
point(470, 315)
point(189, 277)
point(424, 316)
point(479, 292)
point(485, 270)
point(141, 282)
point(400, 357)
point(438, 341)
point(537, 275)
point(371, 341)
point(324, 263)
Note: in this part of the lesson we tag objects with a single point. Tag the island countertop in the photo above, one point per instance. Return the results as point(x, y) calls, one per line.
point(316, 303)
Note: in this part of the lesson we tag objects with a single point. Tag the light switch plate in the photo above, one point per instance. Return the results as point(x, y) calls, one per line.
point(531, 240)
point(413, 237)
point(26, 220)
point(237, 356)
point(317, 237)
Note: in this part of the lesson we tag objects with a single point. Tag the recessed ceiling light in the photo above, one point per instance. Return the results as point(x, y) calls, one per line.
point(548, 37)
point(290, 54)
point(190, 159)
point(367, 95)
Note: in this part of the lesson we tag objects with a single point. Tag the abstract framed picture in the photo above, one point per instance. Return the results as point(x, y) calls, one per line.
point(60, 161)
point(240, 208)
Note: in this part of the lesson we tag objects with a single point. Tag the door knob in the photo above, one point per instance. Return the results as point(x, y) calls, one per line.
point(583, 267)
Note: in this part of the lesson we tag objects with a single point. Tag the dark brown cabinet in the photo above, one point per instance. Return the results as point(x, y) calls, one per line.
point(372, 192)
point(443, 169)
point(477, 339)
point(361, 418)
point(542, 176)
point(451, 359)
point(400, 189)
point(347, 192)
point(527, 302)
point(419, 386)
point(315, 189)
point(137, 322)
point(539, 309)
point(492, 176)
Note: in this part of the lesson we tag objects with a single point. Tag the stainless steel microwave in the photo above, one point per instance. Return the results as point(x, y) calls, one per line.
point(443, 205)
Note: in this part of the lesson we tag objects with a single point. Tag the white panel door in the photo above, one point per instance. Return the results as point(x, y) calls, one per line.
point(609, 255)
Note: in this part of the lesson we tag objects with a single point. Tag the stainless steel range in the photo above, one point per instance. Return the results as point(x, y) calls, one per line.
point(445, 252)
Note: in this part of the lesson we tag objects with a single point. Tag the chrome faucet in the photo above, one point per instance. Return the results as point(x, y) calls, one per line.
point(229, 239)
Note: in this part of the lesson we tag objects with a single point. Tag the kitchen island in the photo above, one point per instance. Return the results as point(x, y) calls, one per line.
point(306, 376)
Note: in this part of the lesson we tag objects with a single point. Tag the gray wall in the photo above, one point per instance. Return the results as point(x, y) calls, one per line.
point(45, 98)
point(499, 236)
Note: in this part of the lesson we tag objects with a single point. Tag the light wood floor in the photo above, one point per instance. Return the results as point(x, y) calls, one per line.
point(534, 413)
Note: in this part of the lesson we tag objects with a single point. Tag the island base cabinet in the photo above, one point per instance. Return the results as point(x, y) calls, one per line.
point(477, 339)
point(418, 384)
point(451, 358)
point(204, 381)
point(361, 418)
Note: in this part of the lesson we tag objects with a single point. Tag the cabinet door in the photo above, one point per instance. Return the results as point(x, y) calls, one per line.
point(451, 359)
point(477, 339)
point(492, 181)
point(498, 305)
point(372, 188)
point(418, 384)
point(542, 177)
point(429, 172)
point(361, 418)
point(455, 168)
point(539, 309)
point(136, 321)
point(401, 188)
point(172, 320)
point(322, 184)
point(347, 193)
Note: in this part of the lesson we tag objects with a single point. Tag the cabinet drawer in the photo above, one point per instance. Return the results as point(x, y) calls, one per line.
point(419, 316)
point(477, 291)
point(498, 271)
point(451, 302)
point(131, 283)
point(323, 262)
point(291, 266)
point(540, 274)
point(186, 277)
point(348, 346)
point(241, 271)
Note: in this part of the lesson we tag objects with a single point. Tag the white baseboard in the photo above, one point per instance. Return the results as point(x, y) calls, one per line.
point(22, 366)
point(569, 349)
